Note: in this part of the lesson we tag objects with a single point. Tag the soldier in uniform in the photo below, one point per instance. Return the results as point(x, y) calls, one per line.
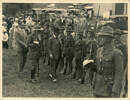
point(45, 38)
point(91, 52)
point(34, 53)
point(109, 66)
point(62, 42)
point(121, 46)
point(80, 47)
point(69, 51)
point(21, 47)
point(54, 49)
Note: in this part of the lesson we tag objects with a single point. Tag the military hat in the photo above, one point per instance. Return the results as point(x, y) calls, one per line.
point(46, 24)
point(51, 25)
point(55, 28)
point(118, 32)
point(80, 31)
point(37, 28)
point(80, 34)
point(62, 28)
point(69, 29)
point(91, 29)
point(106, 31)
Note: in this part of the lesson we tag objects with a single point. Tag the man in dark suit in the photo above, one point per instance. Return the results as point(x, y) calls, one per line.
point(54, 49)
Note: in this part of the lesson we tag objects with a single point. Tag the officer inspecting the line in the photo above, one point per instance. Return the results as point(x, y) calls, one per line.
point(109, 66)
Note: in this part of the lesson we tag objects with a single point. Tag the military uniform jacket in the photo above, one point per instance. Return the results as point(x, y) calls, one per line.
point(109, 72)
point(119, 45)
point(69, 45)
point(91, 49)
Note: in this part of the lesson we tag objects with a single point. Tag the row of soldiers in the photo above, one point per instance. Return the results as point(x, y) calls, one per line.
point(106, 56)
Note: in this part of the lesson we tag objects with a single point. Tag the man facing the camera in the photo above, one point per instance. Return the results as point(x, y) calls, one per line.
point(54, 48)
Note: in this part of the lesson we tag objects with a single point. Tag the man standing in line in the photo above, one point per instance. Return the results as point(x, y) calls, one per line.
point(80, 49)
point(34, 53)
point(54, 49)
point(69, 50)
point(123, 47)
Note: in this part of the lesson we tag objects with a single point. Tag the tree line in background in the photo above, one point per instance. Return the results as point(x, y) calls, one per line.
point(11, 9)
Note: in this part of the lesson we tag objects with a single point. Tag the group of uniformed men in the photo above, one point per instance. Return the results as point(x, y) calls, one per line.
point(105, 54)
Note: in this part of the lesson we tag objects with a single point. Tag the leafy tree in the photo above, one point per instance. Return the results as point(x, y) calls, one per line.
point(11, 9)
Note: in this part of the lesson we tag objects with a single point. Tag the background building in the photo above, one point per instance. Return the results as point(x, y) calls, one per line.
point(110, 8)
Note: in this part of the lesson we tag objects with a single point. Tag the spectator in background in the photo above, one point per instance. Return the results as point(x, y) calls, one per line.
point(12, 37)
point(5, 35)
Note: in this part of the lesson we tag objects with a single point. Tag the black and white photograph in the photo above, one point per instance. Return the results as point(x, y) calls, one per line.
point(65, 50)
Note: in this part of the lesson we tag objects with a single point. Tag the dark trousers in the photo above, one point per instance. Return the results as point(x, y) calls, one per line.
point(34, 68)
point(53, 67)
point(61, 63)
point(21, 60)
point(79, 69)
point(68, 64)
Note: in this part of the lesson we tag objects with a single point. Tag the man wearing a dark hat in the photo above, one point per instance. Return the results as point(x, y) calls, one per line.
point(54, 49)
point(109, 66)
point(34, 53)
point(69, 50)
point(21, 47)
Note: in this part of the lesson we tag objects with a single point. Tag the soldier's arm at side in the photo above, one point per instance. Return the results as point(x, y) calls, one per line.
point(118, 76)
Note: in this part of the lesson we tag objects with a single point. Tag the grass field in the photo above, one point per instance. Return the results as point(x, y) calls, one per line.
point(21, 87)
